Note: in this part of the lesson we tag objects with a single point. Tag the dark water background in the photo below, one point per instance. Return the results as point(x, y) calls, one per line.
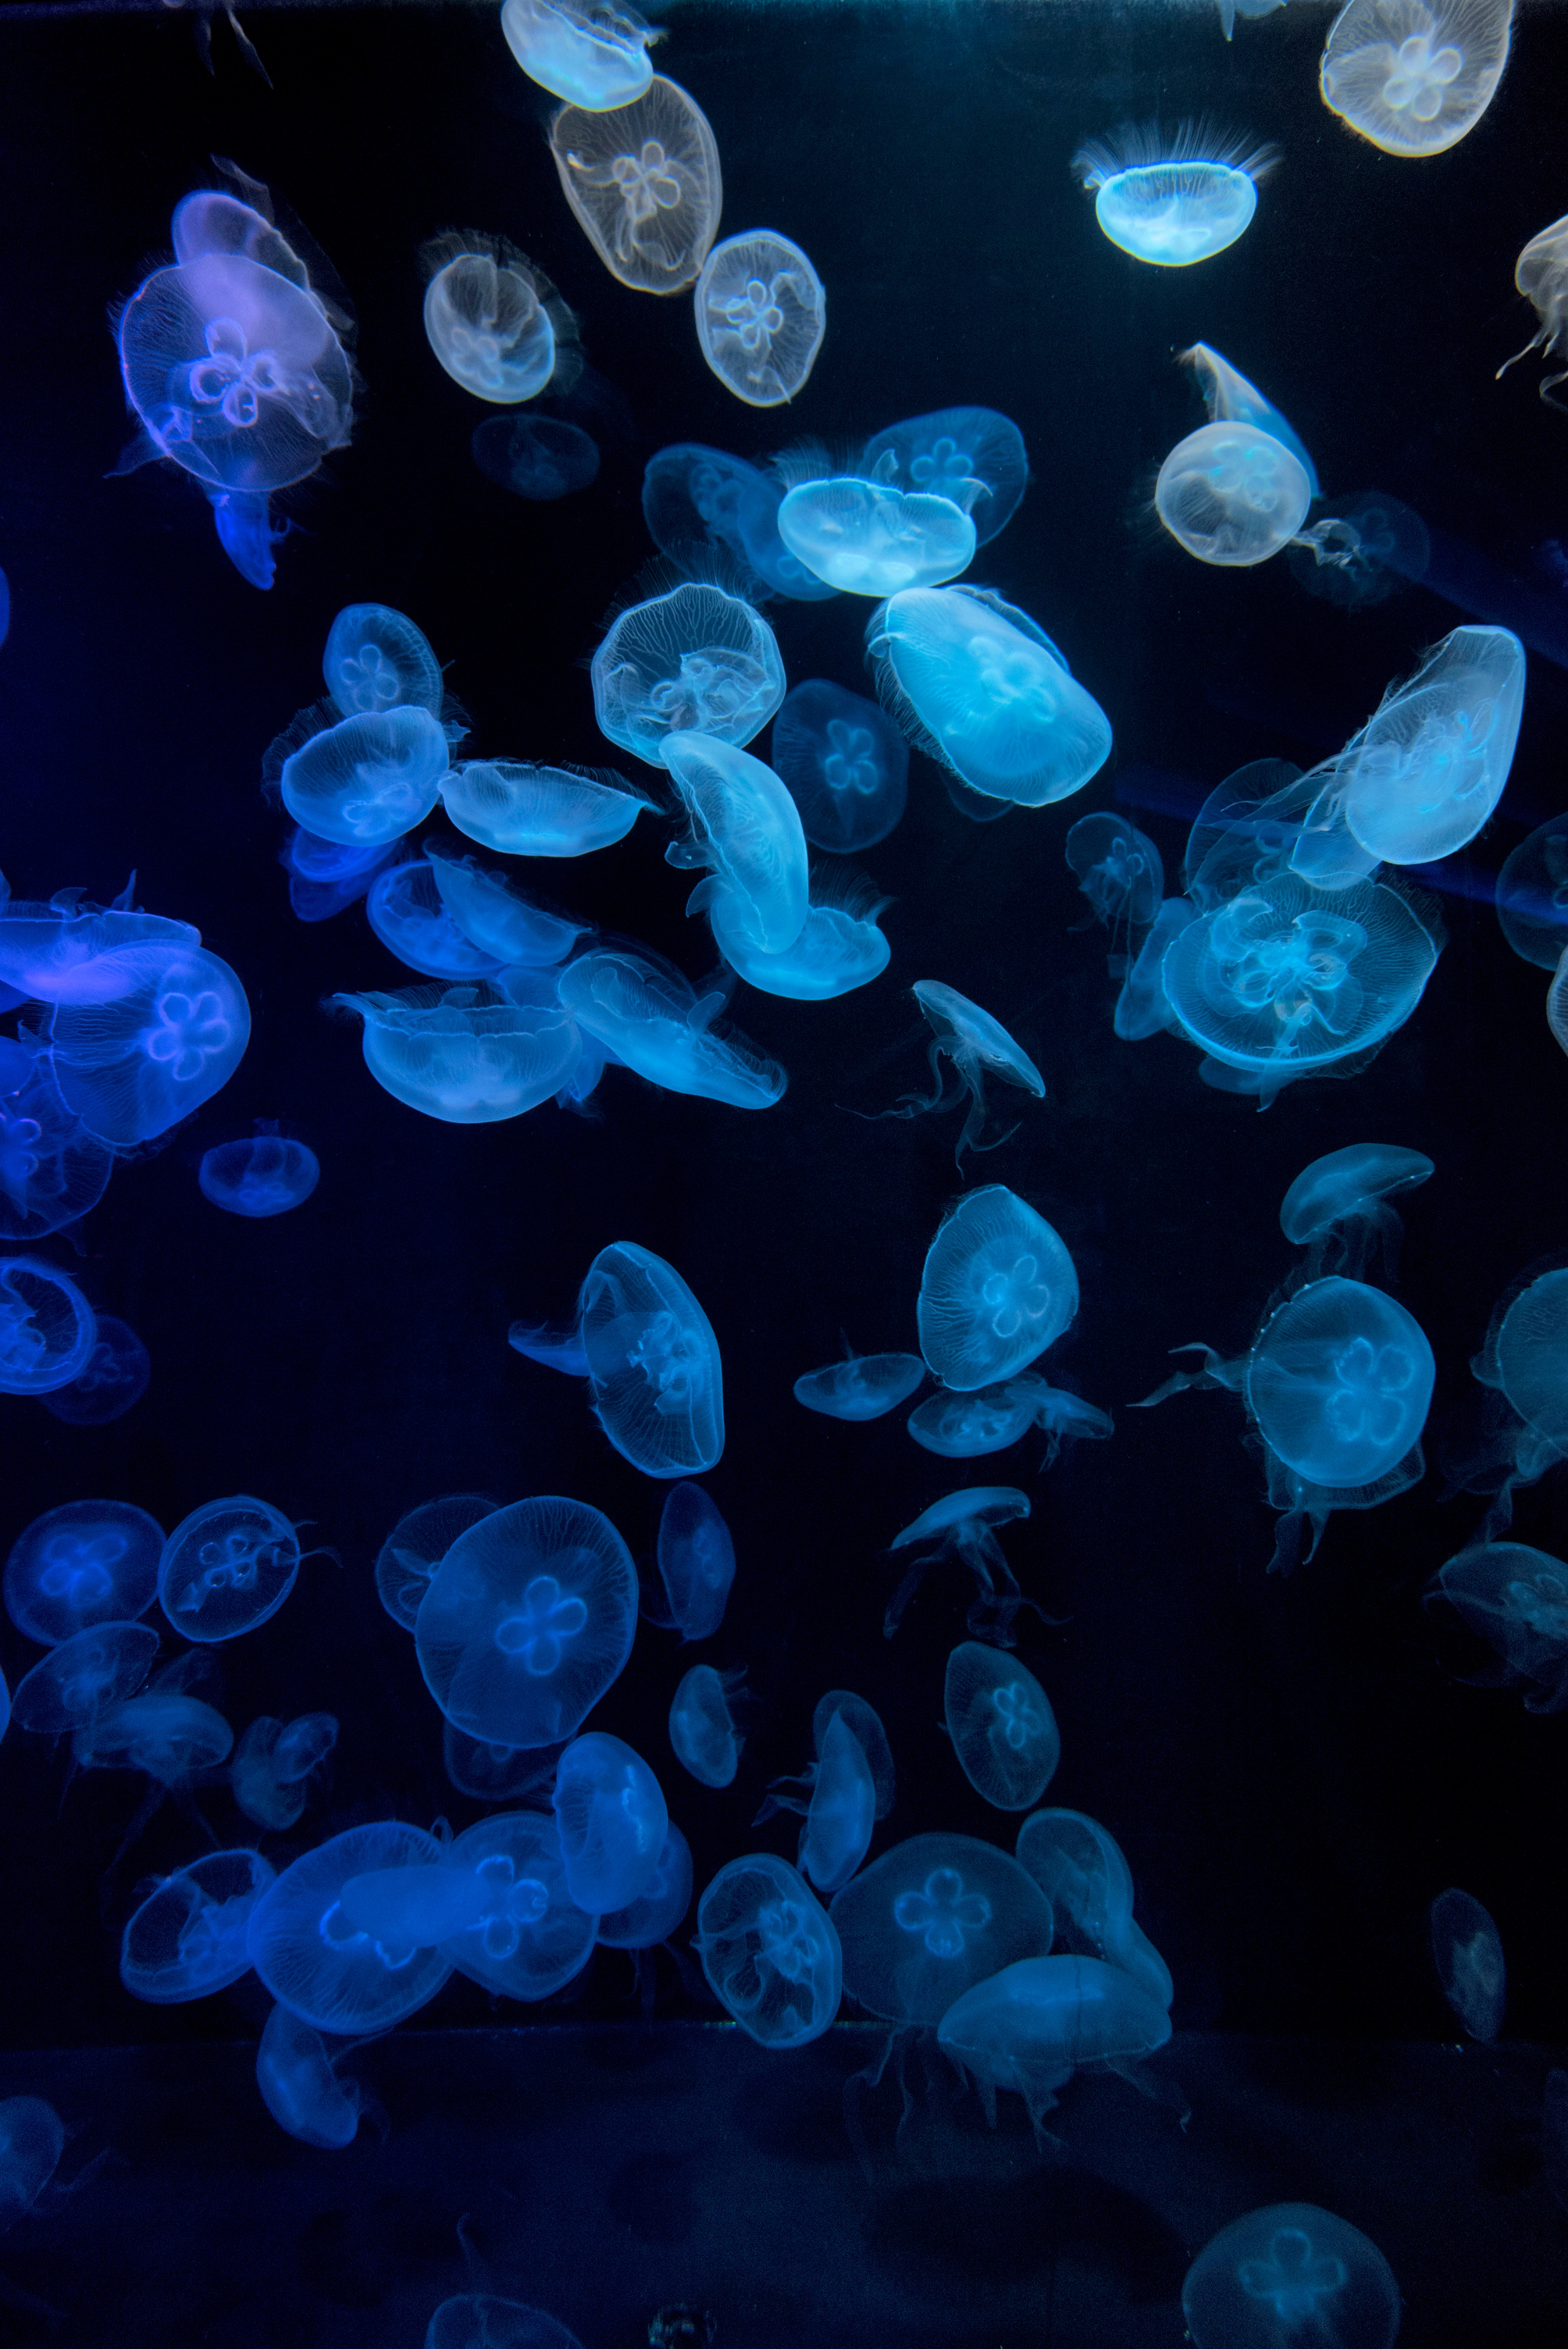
point(1290, 1770)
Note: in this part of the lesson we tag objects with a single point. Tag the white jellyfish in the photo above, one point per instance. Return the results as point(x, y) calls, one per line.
point(760, 316)
point(1232, 494)
point(645, 183)
point(1414, 78)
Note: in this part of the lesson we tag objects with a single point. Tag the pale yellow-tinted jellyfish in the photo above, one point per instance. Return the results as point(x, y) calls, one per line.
point(1414, 78)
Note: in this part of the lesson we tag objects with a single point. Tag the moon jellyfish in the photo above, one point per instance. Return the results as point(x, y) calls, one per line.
point(697, 1560)
point(147, 1033)
point(529, 1939)
point(535, 457)
point(494, 321)
point(1288, 2273)
point(862, 1386)
point(188, 1938)
point(85, 1563)
point(266, 1175)
point(1340, 1382)
point(527, 811)
point(656, 1022)
point(1524, 1360)
point(407, 910)
point(695, 498)
point(52, 1170)
point(326, 875)
point(962, 1525)
point(369, 779)
point(496, 917)
point(930, 1918)
point(271, 1763)
point(865, 1725)
point(745, 825)
point(1361, 551)
point(115, 1376)
point(654, 1364)
point(844, 762)
point(1541, 276)
point(1414, 78)
point(702, 1725)
point(966, 1426)
point(694, 661)
point(594, 55)
point(226, 1567)
point(837, 948)
point(491, 1773)
point(171, 1736)
point(659, 1908)
point(1532, 895)
point(866, 538)
point(85, 1676)
point(976, 684)
point(769, 1950)
point(1030, 2026)
point(610, 1814)
point(841, 1811)
point(349, 1965)
point(376, 660)
point(998, 1286)
point(1232, 496)
point(47, 1329)
point(1082, 1873)
point(1335, 1207)
point(1516, 1600)
point(973, 456)
point(468, 1055)
point(1466, 1951)
point(645, 183)
point(1172, 201)
point(1002, 1726)
point(247, 534)
point(1230, 399)
point(761, 314)
point(31, 2143)
point(1119, 870)
point(527, 1620)
point(300, 2087)
point(1425, 773)
point(977, 1046)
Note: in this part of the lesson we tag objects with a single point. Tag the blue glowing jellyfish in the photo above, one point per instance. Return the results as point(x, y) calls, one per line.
point(301, 2088)
point(1286, 2274)
point(1531, 895)
point(85, 1676)
point(931, 1917)
point(497, 917)
point(369, 779)
point(47, 1329)
point(838, 947)
point(593, 56)
point(85, 1563)
point(266, 1175)
point(1172, 201)
point(1002, 1726)
point(697, 1560)
point(1119, 870)
point(1082, 1872)
point(973, 456)
point(1516, 1598)
point(416, 1546)
point(1030, 2026)
point(1360, 550)
point(702, 1725)
point(865, 1724)
point(695, 499)
point(340, 1940)
point(977, 1046)
point(653, 1362)
point(656, 1912)
point(643, 182)
point(247, 532)
point(1425, 773)
point(611, 1817)
point(31, 2143)
point(52, 1170)
point(528, 811)
point(1335, 1206)
point(1467, 1951)
point(657, 1023)
point(188, 1938)
point(530, 1937)
point(495, 321)
point(694, 661)
point(271, 1763)
point(1414, 78)
point(862, 1386)
point(226, 1567)
point(536, 457)
point(844, 762)
point(968, 1426)
point(477, 2320)
point(326, 875)
point(1231, 398)
point(962, 1525)
point(377, 660)
point(115, 1375)
point(745, 826)
point(841, 1811)
point(997, 1287)
point(1340, 1380)
point(769, 1950)
point(169, 1735)
point(867, 538)
point(145, 1035)
point(527, 1621)
point(409, 913)
point(471, 1053)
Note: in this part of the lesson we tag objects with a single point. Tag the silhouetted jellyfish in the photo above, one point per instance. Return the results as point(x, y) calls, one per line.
point(592, 55)
point(377, 660)
point(1232, 496)
point(528, 811)
point(694, 661)
point(31, 2143)
point(188, 1937)
point(862, 1386)
point(1290, 2273)
point(326, 875)
point(1031, 2026)
point(1466, 1951)
point(931, 1917)
point(479, 2320)
point(48, 1329)
point(697, 1561)
point(837, 948)
point(1360, 550)
point(338, 1942)
point(1119, 870)
point(867, 538)
point(369, 779)
point(530, 1937)
point(1002, 1726)
point(271, 1763)
point(468, 1054)
point(1172, 201)
point(769, 1950)
point(653, 1362)
point(966, 1426)
point(409, 913)
point(865, 1725)
point(264, 1175)
point(416, 1546)
point(1231, 398)
point(1541, 276)
point(148, 1032)
point(745, 826)
point(656, 1912)
point(974, 456)
point(610, 1814)
point(495, 321)
point(1531, 895)
point(977, 1046)
point(52, 1170)
point(115, 1376)
point(226, 1567)
point(173, 1738)
point(527, 1621)
point(85, 1676)
point(979, 686)
point(761, 314)
point(1515, 1598)
point(85, 1563)
point(645, 183)
point(1413, 78)
point(844, 762)
point(702, 1725)
point(1082, 1873)
point(301, 2088)
point(1335, 1206)
point(997, 1287)
point(536, 457)
point(657, 1023)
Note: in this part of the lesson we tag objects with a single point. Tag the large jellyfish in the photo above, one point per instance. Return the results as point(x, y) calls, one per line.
point(591, 53)
point(1029, 2027)
point(769, 1950)
point(529, 811)
point(867, 538)
point(1172, 201)
point(837, 948)
point(997, 1287)
point(1232, 495)
point(226, 1567)
point(973, 456)
point(529, 1938)
point(694, 661)
point(142, 1034)
point(962, 1525)
point(761, 314)
point(468, 1054)
point(931, 1917)
point(612, 1819)
point(52, 1170)
point(1287, 2274)
point(497, 917)
point(1515, 1598)
point(644, 180)
point(977, 1046)
point(1425, 773)
point(653, 1362)
point(87, 1676)
point(1414, 78)
point(965, 1426)
point(1082, 1871)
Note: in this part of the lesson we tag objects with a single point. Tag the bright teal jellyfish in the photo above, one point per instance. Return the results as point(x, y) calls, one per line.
point(1002, 1726)
point(416, 1546)
point(610, 1814)
point(479, 2320)
point(535, 457)
point(702, 1725)
point(369, 779)
point(745, 826)
point(1082, 1873)
point(695, 499)
point(1340, 1382)
point(962, 1525)
point(115, 1375)
point(980, 687)
point(761, 314)
point(52, 1170)
point(1467, 1951)
point(410, 914)
point(977, 1046)
point(697, 1560)
point(653, 1363)
point(693, 661)
point(496, 917)
point(85, 1563)
point(967, 1426)
point(866, 1726)
point(844, 762)
point(339, 1943)
point(1531, 897)
point(376, 660)
point(595, 57)
point(1029, 2027)
point(172, 1736)
point(188, 1938)
point(468, 1054)
point(1287, 2274)
point(656, 1912)
point(1232, 496)
point(997, 1287)
point(931, 1917)
point(226, 1567)
point(1335, 1206)
point(271, 1763)
point(867, 538)
point(1525, 1358)
point(300, 2087)
point(769, 1950)
point(1516, 1598)
point(1231, 398)
point(841, 1812)
point(527, 1620)
point(657, 1023)
point(973, 456)
point(1119, 870)
point(645, 183)
point(495, 321)
point(47, 1331)
point(530, 1937)
point(31, 2143)
point(837, 948)
point(85, 1676)
point(266, 1175)
point(862, 1386)
point(1172, 201)
point(1413, 78)
point(1427, 769)
point(528, 811)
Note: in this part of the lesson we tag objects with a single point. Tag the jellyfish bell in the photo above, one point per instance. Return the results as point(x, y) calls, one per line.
point(1230, 399)
point(593, 54)
point(761, 314)
point(997, 1289)
point(1414, 76)
point(974, 456)
point(1340, 1380)
point(377, 660)
point(962, 1525)
point(1427, 769)
point(1232, 495)
point(844, 762)
point(654, 1364)
point(1541, 276)
point(643, 179)
point(1291, 2271)
point(1175, 200)
point(494, 320)
point(696, 661)
point(867, 538)
point(1340, 1197)
point(1028, 2028)
point(745, 826)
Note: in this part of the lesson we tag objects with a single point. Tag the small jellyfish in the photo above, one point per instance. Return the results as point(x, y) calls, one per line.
point(116, 1375)
point(495, 321)
point(1082, 1871)
point(266, 1175)
point(593, 54)
point(376, 660)
point(1532, 895)
point(171, 1736)
point(1336, 1206)
point(1002, 1726)
point(416, 1546)
point(644, 180)
point(962, 1525)
point(702, 1725)
point(527, 811)
point(271, 1763)
point(655, 1021)
point(867, 538)
point(48, 1329)
point(1541, 276)
point(247, 534)
point(1340, 1380)
point(1427, 769)
point(745, 826)
point(973, 456)
point(535, 457)
point(862, 1386)
point(865, 1724)
point(843, 1808)
point(697, 1560)
point(334, 1944)
point(930, 1918)
point(1232, 496)
point(694, 661)
point(967, 1426)
point(300, 2087)
point(769, 1950)
point(1360, 550)
point(1029, 2027)
point(468, 1054)
point(844, 762)
point(31, 2143)
point(188, 1938)
point(1516, 1598)
point(1119, 870)
point(1230, 399)
point(85, 1677)
point(369, 779)
point(1466, 1951)
point(83, 1564)
point(226, 1567)
point(761, 314)
point(654, 1363)
point(997, 1289)
point(530, 1937)
point(52, 1170)
point(477, 2320)
point(610, 1813)
point(1413, 78)
point(1286, 2274)
point(977, 1046)
point(656, 1912)
point(326, 875)
point(1172, 201)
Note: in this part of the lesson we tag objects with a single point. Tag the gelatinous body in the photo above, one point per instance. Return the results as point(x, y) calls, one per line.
point(697, 1560)
point(114, 1376)
point(660, 1907)
point(769, 1950)
point(1002, 1726)
point(1426, 771)
point(487, 319)
point(85, 1676)
point(468, 1054)
point(653, 1362)
point(658, 1024)
point(369, 779)
point(867, 538)
point(377, 660)
point(844, 762)
point(694, 661)
point(1347, 1183)
point(645, 183)
point(1029, 2027)
point(1340, 1380)
point(1360, 550)
point(1231, 398)
point(52, 1170)
point(266, 1175)
point(997, 1287)
point(1414, 78)
point(409, 913)
point(593, 56)
point(246, 532)
point(761, 314)
point(299, 2086)
point(610, 1814)
point(530, 1937)
point(147, 1033)
point(1119, 870)
point(497, 917)
point(1232, 496)
point(535, 457)
point(527, 811)
point(1467, 1951)
point(271, 1763)
point(47, 1331)
point(864, 1386)
point(973, 456)
point(745, 826)
point(1082, 1873)
point(977, 1046)
point(1290, 2273)
point(1541, 276)
point(171, 1736)
point(188, 1938)
point(1516, 1598)
point(836, 949)
point(226, 1567)
point(931, 1918)
point(326, 875)
point(1173, 200)
point(695, 498)
point(702, 1727)
point(416, 1546)
point(335, 1974)
point(1532, 895)
point(85, 1563)
point(843, 1808)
